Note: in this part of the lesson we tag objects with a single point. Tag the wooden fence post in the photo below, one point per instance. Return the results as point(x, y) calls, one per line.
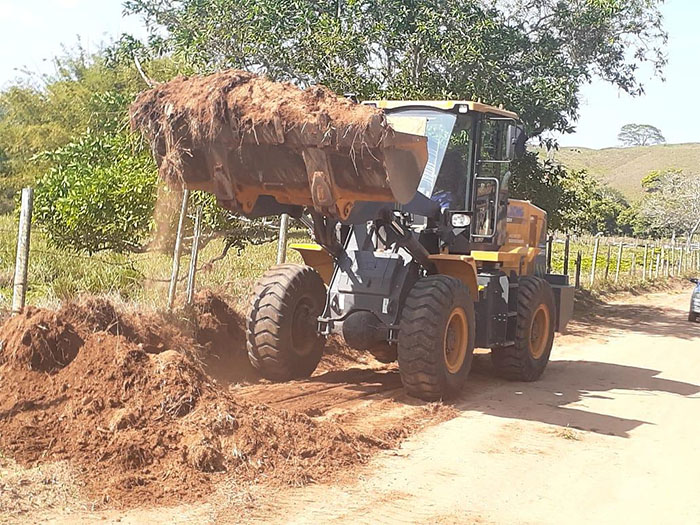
point(672, 258)
point(19, 289)
point(594, 262)
point(282, 242)
point(644, 268)
point(664, 256)
point(619, 260)
point(607, 262)
point(194, 256)
point(178, 250)
point(566, 254)
point(550, 243)
point(578, 270)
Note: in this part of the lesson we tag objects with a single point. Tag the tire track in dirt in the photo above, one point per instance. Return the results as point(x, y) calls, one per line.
point(326, 391)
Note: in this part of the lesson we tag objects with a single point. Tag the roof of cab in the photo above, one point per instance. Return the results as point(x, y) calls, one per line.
point(443, 104)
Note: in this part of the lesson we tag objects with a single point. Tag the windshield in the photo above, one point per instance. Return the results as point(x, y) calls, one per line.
point(437, 127)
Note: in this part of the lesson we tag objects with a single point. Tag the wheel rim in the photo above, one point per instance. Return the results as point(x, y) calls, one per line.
point(455, 340)
point(303, 327)
point(539, 331)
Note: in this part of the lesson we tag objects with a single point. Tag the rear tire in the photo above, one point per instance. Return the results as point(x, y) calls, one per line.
point(436, 338)
point(692, 317)
point(282, 335)
point(534, 334)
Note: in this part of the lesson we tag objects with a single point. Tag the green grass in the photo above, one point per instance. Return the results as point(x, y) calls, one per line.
point(624, 168)
point(57, 274)
point(631, 263)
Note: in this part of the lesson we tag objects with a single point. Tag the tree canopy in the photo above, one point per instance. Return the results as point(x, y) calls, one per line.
point(640, 135)
point(531, 57)
point(672, 202)
point(69, 130)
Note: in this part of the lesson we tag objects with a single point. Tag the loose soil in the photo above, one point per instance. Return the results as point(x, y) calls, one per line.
point(262, 147)
point(580, 445)
point(203, 127)
point(156, 409)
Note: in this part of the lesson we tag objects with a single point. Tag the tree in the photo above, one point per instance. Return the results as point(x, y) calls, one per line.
point(99, 193)
point(640, 135)
point(674, 203)
point(532, 58)
point(573, 200)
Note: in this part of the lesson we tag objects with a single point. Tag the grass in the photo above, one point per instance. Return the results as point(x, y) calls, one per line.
point(624, 168)
point(57, 274)
point(568, 433)
point(630, 275)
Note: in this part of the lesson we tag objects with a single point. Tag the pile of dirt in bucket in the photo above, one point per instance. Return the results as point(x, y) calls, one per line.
point(128, 399)
point(236, 111)
point(241, 136)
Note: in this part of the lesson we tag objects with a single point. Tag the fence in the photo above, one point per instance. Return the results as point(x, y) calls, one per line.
point(592, 261)
point(37, 271)
point(32, 267)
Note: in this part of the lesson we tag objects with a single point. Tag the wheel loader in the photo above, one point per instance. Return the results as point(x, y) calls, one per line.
point(457, 267)
point(419, 256)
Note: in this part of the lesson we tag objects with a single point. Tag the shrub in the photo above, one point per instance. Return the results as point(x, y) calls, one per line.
point(99, 194)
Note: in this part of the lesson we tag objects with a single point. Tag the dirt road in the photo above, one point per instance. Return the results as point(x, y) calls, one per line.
point(611, 434)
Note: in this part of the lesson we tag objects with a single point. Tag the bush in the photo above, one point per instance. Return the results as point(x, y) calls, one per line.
point(100, 194)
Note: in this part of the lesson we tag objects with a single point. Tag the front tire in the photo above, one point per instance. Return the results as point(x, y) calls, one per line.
point(282, 336)
point(527, 358)
point(692, 317)
point(436, 338)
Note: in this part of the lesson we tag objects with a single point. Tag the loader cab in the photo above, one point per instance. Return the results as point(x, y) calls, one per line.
point(470, 147)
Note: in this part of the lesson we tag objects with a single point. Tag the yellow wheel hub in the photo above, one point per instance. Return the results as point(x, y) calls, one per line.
point(539, 331)
point(455, 340)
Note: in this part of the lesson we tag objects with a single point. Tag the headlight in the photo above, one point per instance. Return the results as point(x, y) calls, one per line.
point(460, 220)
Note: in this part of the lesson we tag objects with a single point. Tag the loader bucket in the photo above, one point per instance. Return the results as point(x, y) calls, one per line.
point(265, 147)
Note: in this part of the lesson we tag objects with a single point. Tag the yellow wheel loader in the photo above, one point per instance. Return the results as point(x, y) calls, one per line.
point(419, 254)
point(457, 267)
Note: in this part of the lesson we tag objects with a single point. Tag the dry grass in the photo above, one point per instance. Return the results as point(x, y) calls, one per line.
point(624, 168)
point(567, 433)
point(57, 274)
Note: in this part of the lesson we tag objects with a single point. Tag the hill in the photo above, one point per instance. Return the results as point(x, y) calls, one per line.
point(624, 168)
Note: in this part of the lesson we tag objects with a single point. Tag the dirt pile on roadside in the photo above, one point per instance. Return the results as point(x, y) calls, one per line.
point(127, 400)
point(39, 340)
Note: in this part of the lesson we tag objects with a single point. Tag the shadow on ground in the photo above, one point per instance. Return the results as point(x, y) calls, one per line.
point(596, 314)
point(549, 400)
point(565, 383)
point(546, 401)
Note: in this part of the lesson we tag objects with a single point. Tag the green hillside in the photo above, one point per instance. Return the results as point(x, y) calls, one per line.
point(624, 168)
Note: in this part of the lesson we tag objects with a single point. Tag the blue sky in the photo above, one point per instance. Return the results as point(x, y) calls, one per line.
point(32, 31)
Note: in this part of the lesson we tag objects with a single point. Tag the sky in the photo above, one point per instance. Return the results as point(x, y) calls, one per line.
point(32, 31)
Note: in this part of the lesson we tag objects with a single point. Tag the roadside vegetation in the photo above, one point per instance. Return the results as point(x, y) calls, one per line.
point(58, 274)
point(97, 194)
